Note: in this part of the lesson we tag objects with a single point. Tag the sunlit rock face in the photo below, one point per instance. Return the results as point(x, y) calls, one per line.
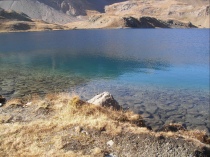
point(66, 11)
point(56, 11)
point(105, 99)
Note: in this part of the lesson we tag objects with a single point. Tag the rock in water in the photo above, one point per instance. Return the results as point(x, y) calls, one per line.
point(105, 99)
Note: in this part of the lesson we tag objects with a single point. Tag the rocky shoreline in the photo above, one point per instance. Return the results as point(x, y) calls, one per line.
point(64, 125)
point(158, 107)
point(156, 112)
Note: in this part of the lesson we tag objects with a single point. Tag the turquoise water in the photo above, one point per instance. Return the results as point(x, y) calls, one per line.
point(132, 64)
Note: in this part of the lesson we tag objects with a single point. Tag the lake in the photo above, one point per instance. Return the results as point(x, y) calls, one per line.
point(163, 74)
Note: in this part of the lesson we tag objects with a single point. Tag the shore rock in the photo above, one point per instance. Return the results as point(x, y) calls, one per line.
point(2, 100)
point(105, 99)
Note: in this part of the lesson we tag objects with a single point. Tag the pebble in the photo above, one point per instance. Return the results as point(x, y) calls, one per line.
point(110, 143)
point(78, 129)
point(110, 155)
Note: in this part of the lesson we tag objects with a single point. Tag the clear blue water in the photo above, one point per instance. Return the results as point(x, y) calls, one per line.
point(121, 61)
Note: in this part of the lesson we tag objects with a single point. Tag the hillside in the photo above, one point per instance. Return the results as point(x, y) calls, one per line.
point(12, 21)
point(56, 11)
point(79, 7)
point(113, 21)
point(67, 11)
point(194, 11)
point(37, 10)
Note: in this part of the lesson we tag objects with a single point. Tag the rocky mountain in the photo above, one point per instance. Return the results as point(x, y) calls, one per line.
point(194, 11)
point(82, 13)
point(79, 7)
point(12, 15)
point(56, 11)
point(37, 10)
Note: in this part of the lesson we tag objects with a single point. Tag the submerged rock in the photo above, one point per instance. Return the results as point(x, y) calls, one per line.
point(105, 99)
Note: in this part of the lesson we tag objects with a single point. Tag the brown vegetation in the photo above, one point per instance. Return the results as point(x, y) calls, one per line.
point(64, 125)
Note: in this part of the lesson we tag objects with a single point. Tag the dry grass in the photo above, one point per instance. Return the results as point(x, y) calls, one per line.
point(44, 136)
point(177, 130)
point(197, 134)
point(13, 102)
point(66, 118)
point(76, 112)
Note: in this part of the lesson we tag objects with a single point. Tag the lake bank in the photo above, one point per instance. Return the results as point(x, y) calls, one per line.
point(64, 125)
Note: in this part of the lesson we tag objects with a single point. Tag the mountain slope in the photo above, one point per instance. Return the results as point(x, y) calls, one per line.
point(113, 21)
point(37, 10)
point(195, 11)
point(68, 11)
point(12, 21)
point(56, 11)
point(79, 7)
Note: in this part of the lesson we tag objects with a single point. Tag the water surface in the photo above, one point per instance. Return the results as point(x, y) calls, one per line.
point(162, 74)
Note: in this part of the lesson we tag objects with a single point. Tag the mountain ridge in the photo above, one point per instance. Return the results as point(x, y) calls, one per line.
point(76, 14)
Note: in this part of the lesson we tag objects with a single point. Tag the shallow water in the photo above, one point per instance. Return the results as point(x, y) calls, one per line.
point(162, 74)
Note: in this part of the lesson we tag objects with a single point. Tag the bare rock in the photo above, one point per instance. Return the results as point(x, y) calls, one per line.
point(105, 99)
point(150, 22)
point(110, 143)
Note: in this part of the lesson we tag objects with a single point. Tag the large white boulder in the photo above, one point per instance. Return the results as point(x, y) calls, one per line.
point(105, 99)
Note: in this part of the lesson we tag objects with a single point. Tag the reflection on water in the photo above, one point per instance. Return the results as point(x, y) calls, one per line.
point(86, 65)
point(139, 67)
